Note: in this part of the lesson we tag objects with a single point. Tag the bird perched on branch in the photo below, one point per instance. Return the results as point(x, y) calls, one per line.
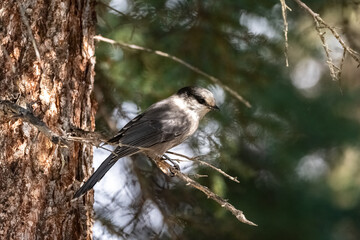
point(162, 126)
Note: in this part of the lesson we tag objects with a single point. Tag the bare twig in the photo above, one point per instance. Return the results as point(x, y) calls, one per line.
point(14, 110)
point(222, 202)
point(7, 108)
point(95, 141)
point(31, 36)
point(196, 159)
point(285, 7)
point(341, 67)
point(178, 60)
point(335, 71)
point(108, 6)
point(330, 62)
point(198, 175)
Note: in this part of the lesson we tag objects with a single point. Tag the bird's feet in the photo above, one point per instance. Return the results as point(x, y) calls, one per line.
point(167, 168)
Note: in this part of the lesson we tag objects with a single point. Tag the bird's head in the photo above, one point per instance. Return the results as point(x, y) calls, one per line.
point(198, 99)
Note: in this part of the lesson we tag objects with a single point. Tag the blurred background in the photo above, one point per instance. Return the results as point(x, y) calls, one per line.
point(295, 151)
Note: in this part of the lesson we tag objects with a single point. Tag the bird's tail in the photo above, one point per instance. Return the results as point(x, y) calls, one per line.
point(104, 167)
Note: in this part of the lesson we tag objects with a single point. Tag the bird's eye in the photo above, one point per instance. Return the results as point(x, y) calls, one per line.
point(200, 100)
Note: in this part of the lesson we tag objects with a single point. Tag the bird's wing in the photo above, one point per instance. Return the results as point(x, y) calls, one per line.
point(118, 136)
point(157, 125)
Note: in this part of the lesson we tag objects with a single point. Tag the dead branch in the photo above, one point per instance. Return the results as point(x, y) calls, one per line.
point(330, 62)
point(335, 71)
point(222, 202)
point(196, 159)
point(108, 6)
point(178, 60)
point(285, 7)
point(15, 111)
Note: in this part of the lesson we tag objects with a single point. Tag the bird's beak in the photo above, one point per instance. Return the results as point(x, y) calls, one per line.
point(215, 108)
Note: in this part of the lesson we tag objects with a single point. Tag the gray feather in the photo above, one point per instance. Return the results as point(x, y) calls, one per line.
point(162, 126)
point(155, 126)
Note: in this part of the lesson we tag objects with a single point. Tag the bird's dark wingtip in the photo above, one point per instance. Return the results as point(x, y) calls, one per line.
point(87, 186)
point(78, 194)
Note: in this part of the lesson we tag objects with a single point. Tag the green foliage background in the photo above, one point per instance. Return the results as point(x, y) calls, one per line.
point(266, 145)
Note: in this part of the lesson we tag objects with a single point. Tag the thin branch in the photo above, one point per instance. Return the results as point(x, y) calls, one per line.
point(340, 71)
point(10, 109)
point(108, 6)
point(198, 175)
point(178, 60)
point(285, 7)
point(222, 202)
point(196, 159)
point(14, 110)
point(27, 25)
point(335, 71)
point(316, 16)
point(330, 62)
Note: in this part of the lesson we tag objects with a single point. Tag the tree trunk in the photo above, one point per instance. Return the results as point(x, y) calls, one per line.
point(47, 66)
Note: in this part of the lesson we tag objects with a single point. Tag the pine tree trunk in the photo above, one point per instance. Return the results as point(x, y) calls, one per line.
point(47, 66)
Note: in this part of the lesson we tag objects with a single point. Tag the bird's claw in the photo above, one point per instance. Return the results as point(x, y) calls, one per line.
point(168, 169)
point(176, 166)
point(174, 169)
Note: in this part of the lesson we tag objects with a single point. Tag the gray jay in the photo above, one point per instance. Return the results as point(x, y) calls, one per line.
point(162, 126)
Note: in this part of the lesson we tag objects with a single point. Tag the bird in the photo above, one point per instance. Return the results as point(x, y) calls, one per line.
point(163, 125)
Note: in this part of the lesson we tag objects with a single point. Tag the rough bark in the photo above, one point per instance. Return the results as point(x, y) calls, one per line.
point(46, 65)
